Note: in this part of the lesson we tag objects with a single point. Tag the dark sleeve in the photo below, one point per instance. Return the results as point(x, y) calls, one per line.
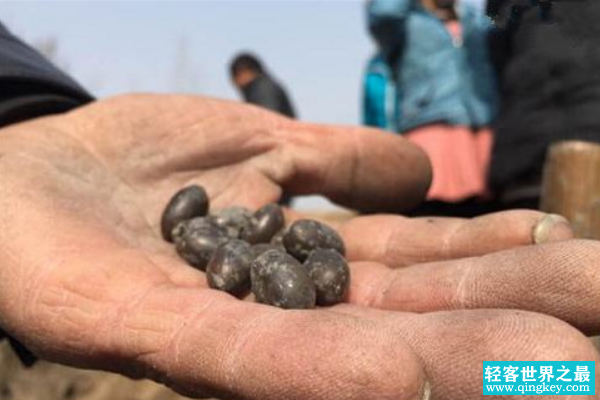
point(266, 93)
point(30, 86)
point(288, 108)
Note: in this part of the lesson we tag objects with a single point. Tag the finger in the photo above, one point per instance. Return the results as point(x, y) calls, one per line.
point(364, 169)
point(290, 157)
point(245, 155)
point(357, 167)
point(453, 344)
point(560, 279)
point(490, 335)
point(398, 241)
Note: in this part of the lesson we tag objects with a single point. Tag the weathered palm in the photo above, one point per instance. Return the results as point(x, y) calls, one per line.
point(105, 173)
point(82, 195)
point(86, 280)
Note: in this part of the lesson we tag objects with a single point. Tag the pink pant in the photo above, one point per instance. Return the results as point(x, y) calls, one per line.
point(460, 160)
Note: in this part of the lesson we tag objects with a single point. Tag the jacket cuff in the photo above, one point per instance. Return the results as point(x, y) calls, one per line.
point(31, 86)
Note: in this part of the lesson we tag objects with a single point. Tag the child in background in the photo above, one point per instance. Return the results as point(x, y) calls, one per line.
point(438, 50)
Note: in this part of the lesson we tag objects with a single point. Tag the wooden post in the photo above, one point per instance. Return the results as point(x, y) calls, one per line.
point(571, 188)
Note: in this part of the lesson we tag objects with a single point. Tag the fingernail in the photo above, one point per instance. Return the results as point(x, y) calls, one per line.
point(426, 393)
point(552, 228)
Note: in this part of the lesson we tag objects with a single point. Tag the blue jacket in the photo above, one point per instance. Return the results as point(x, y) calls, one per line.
point(437, 79)
point(379, 95)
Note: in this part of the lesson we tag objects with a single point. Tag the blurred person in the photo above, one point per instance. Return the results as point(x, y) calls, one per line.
point(446, 93)
point(379, 95)
point(548, 58)
point(261, 89)
point(258, 87)
point(87, 281)
point(478, 4)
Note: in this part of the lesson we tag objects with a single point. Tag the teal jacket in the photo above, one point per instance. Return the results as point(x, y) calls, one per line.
point(379, 95)
point(437, 79)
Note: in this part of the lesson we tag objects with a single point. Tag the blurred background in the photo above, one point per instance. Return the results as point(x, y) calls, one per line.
point(317, 49)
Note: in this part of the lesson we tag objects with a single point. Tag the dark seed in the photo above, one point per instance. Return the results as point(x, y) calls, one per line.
point(182, 228)
point(198, 246)
point(266, 222)
point(234, 219)
point(277, 240)
point(259, 249)
point(280, 280)
point(229, 268)
point(305, 236)
point(188, 203)
point(331, 275)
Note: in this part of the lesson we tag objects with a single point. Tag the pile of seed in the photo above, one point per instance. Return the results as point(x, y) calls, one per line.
point(299, 266)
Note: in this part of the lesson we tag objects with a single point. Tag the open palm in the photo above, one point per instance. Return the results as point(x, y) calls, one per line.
point(85, 279)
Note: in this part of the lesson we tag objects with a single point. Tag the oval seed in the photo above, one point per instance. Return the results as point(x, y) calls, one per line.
point(278, 279)
point(198, 246)
point(259, 249)
point(182, 228)
point(266, 222)
point(189, 202)
point(277, 240)
point(331, 275)
point(234, 219)
point(305, 236)
point(229, 267)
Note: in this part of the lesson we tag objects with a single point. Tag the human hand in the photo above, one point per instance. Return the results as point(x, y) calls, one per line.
point(555, 277)
point(428, 265)
point(85, 279)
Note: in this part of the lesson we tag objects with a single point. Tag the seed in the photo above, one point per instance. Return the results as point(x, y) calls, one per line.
point(182, 228)
point(305, 236)
point(197, 246)
point(188, 203)
point(277, 240)
point(229, 268)
point(241, 250)
point(234, 219)
point(259, 249)
point(266, 222)
point(331, 275)
point(280, 280)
